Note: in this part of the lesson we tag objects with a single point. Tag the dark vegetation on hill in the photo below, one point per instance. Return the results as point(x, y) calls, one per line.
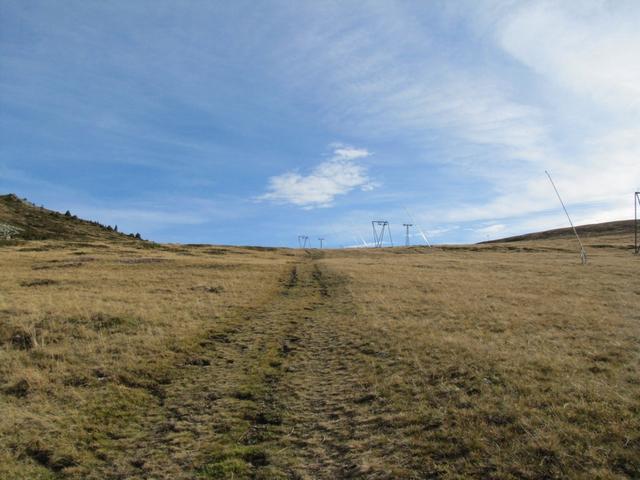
point(618, 228)
point(22, 220)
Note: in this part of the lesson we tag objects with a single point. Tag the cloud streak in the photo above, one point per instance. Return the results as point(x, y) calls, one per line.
point(594, 54)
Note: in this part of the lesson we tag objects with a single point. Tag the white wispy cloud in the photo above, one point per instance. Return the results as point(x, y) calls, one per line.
point(386, 77)
point(491, 229)
point(346, 152)
point(590, 62)
point(337, 176)
point(582, 122)
point(591, 49)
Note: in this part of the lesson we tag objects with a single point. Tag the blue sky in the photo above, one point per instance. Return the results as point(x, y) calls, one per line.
point(254, 122)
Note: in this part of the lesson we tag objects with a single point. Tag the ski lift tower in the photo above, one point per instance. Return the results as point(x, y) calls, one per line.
point(380, 227)
point(302, 241)
point(407, 226)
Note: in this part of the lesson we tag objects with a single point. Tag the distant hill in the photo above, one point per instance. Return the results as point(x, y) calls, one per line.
point(21, 219)
point(607, 229)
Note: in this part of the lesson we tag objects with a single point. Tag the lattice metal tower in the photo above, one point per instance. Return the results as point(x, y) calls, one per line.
point(303, 240)
point(406, 238)
point(380, 227)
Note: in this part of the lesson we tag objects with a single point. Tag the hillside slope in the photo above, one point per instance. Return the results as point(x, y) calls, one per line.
point(20, 219)
point(619, 229)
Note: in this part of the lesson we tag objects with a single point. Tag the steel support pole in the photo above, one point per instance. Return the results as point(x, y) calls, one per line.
point(636, 202)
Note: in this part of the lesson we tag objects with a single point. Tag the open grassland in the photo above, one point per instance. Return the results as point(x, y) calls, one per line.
point(135, 360)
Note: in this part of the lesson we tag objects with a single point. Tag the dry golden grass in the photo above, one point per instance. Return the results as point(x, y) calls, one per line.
point(93, 339)
point(517, 365)
point(135, 360)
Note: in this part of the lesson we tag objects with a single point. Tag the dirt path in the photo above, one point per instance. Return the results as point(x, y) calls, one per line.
point(318, 423)
point(328, 405)
point(278, 393)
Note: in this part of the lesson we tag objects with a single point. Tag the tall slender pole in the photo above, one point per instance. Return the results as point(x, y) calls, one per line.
point(424, 237)
point(583, 253)
point(375, 233)
point(321, 240)
point(636, 202)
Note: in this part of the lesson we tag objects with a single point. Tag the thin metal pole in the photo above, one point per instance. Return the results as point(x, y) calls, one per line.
point(375, 234)
point(636, 202)
point(583, 253)
point(424, 237)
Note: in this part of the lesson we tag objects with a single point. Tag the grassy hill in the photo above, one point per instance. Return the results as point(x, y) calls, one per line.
point(20, 219)
point(502, 361)
point(622, 229)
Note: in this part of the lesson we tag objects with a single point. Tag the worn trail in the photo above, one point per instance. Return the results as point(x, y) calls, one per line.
point(279, 392)
point(323, 390)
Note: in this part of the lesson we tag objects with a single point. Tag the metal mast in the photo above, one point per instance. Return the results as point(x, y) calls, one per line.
point(407, 226)
point(583, 253)
point(424, 237)
point(636, 237)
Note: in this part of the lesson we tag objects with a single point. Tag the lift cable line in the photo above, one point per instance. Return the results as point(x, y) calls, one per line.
point(424, 237)
point(583, 253)
point(636, 235)
point(406, 240)
point(380, 227)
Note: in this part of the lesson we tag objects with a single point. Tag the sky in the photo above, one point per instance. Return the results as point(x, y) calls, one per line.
point(253, 122)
